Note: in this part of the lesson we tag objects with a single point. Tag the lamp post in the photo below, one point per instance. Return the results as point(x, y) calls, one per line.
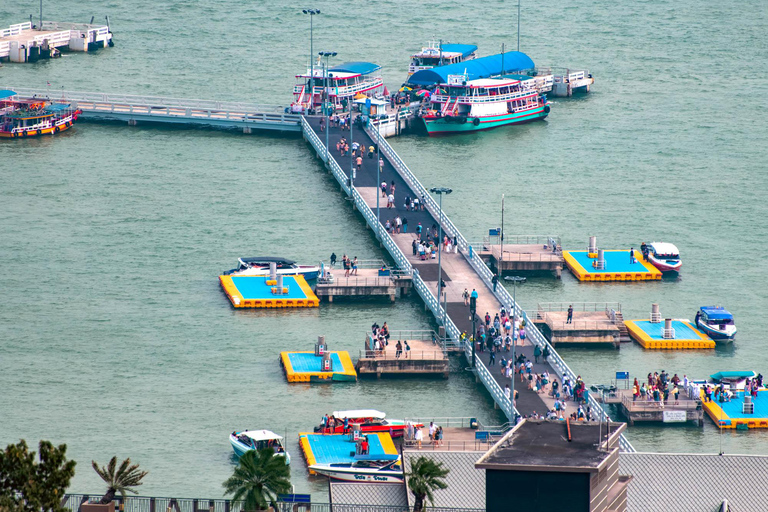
point(351, 143)
point(311, 13)
point(326, 109)
point(501, 238)
point(515, 280)
point(378, 179)
point(440, 191)
point(518, 25)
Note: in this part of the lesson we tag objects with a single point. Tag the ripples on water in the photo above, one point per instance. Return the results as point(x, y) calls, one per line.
point(116, 337)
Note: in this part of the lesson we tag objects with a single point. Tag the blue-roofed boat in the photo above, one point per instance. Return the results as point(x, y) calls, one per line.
point(342, 83)
point(33, 117)
point(441, 54)
point(248, 440)
point(716, 322)
point(484, 67)
point(382, 468)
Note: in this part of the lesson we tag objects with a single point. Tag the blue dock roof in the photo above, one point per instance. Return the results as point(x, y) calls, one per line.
point(464, 49)
point(483, 67)
point(362, 68)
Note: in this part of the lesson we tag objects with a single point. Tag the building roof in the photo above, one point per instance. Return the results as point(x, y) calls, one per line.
point(369, 493)
point(466, 484)
point(694, 482)
point(716, 312)
point(483, 67)
point(360, 68)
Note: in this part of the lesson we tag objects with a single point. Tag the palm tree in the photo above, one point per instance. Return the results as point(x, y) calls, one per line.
point(425, 477)
point(122, 480)
point(258, 478)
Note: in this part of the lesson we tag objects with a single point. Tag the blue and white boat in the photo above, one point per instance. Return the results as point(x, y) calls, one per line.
point(382, 469)
point(248, 440)
point(716, 322)
point(259, 266)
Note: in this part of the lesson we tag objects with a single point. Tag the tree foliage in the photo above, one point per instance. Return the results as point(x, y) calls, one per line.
point(27, 485)
point(425, 477)
point(258, 478)
point(122, 479)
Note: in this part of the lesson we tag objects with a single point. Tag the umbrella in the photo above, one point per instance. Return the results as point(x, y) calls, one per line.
point(404, 89)
point(423, 92)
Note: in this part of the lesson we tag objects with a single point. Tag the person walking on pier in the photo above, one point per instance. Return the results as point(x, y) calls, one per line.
point(381, 165)
point(371, 150)
point(398, 224)
point(492, 361)
point(359, 162)
point(384, 189)
point(391, 199)
point(405, 225)
point(474, 292)
point(465, 296)
point(495, 281)
point(333, 259)
point(570, 314)
point(536, 354)
point(322, 124)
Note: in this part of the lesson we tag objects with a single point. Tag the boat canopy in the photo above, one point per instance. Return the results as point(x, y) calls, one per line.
point(483, 67)
point(664, 248)
point(732, 375)
point(57, 107)
point(381, 456)
point(716, 313)
point(260, 435)
point(464, 49)
point(360, 413)
point(6, 94)
point(268, 259)
point(361, 68)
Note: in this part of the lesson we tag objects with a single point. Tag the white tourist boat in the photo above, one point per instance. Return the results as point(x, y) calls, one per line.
point(365, 468)
point(343, 84)
point(248, 440)
point(664, 256)
point(259, 266)
point(436, 54)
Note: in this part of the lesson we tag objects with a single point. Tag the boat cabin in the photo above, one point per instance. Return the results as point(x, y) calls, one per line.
point(260, 439)
point(337, 86)
point(362, 416)
point(715, 316)
point(437, 54)
point(372, 107)
point(664, 251)
point(482, 97)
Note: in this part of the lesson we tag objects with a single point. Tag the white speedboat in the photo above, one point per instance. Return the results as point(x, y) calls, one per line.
point(664, 256)
point(365, 468)
point(716, 322)
point(248, 440)
point(259, 266)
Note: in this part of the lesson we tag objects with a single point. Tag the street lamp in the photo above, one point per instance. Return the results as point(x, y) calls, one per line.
point(501, 235)
point(378, 178)
point(311, 13)
point(515, 280)
point(440, 191)
point(518, 25)
point(326, 108)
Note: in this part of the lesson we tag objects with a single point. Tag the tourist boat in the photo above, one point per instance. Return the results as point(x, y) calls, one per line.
point(369, 420)
point(438, 54)
point(248, 440)
point(664, 256)
point(345, 83)
point(22, 118)
point(471, 105)
point(365, 468)
point(716, 322)
point(259, 266)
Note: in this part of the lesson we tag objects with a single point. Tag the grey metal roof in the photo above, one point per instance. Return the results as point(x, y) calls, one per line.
point(466, 485)
point(351, 493)
point(695, 483)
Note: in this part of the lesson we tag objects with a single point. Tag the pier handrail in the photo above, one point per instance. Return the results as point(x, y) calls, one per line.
point(415, 355)
point(356, 281)
point(579, 306)
point(645, 405)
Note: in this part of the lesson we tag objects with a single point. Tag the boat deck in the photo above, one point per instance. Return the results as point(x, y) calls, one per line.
point(650, 335)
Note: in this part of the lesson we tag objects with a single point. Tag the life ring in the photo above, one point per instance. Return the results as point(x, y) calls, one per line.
point(16, 134)
point(57, 129)
point(39, 131)
point(68, 124)
point(476, 121)
point(23, 134)
point(546, 109)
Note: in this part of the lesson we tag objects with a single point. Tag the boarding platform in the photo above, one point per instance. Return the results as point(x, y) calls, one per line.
point(262, 292)
point(617, 267)
point(338, 448)
point(308, 367)
point(733, 413)
point(651, 335)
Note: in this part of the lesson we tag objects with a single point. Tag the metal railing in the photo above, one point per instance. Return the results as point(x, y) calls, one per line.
point(416, 355)
point(16, 29)
point(579, 306)
point(580, 324)
point(477, 445)
point(643, 404)
point(351, 281)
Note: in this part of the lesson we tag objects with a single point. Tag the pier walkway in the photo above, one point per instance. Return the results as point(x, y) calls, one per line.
point(461, 270)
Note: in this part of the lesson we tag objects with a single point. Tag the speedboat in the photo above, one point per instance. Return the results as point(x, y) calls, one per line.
point(365, 468)
point(248, 440)
point(259, 266)
point(369, 420)
point(716, 322)
point(664, 256)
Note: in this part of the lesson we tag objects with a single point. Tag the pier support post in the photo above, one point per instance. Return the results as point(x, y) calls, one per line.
point(247, 130)
point(132, 122)
point(330, 298)
point(392, 298)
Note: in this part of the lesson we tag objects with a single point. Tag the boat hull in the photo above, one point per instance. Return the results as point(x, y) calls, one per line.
point(666, 265)
point(718, 335)
point(444, 126)
point(62, 126)
point(240, 449)
point(357, 475)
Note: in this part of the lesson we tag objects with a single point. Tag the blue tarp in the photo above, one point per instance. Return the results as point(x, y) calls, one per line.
point(57, 107)
point(6, 94)
point(717, 377)
point(464, 49)
point(483, 67)
point(363, 68)
point(716, 313)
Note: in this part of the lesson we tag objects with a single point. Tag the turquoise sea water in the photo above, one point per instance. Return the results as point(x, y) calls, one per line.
point(115, 337)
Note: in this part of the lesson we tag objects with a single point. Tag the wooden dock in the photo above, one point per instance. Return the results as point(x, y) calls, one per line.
point(528, 253)
point(593, 323)
point(426, 356)
point(681, 411)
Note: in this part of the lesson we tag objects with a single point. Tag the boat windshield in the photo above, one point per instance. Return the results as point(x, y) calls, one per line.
point(721, 322)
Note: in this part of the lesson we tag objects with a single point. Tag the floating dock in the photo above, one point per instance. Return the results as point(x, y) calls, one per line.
point(261, 292)
point(650, 335)
point(731, 414)
point(617, 266)
point(335, 448)
point(307, 367)
point(424, 358)
point(23, 43)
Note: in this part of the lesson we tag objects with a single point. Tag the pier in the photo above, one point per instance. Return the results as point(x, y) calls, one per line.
point(683, 410)
point(522, 253)
point(425, 357)
point(599, 323)
point(372, 279)
point(24, 43)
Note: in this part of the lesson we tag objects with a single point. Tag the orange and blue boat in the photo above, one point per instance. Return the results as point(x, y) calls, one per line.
point(22, 118)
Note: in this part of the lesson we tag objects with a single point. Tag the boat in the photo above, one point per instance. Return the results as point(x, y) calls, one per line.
point(259, 266)
point(436, 54)
point(381, 468)
point(369, 420)
point(248, 440)
point(22, 118)
point(462, 105)
point(716, 322)
point(662, 255)
point(344, 83)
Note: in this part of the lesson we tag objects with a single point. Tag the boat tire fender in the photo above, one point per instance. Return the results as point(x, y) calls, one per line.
point(68, 124)
point(476, 121)
point(23, 134)
point(546, 109)
point(39, 131)
point(57, 129)
point(16, 134)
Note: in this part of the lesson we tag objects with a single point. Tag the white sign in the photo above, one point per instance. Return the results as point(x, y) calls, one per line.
point(674, 417)
point(456, 79)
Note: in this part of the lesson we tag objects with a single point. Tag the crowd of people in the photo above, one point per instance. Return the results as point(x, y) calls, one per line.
point(720, 393)
point(658, 387)
point(380, 341)
point(348, 264)
point(414, 435)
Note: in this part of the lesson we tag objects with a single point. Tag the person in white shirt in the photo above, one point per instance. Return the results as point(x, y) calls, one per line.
point(419, 437)
point(507, 391)
point(431, 431)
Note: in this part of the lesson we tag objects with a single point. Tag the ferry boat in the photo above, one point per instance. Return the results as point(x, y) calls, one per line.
point(716, 322)
point(248, 440)
point(438, 54)
point(664, 256)
point(472, 105)
point(365, 468)
point(345, 83)
point(32, 117)
point(369, 420)
point(259, 266)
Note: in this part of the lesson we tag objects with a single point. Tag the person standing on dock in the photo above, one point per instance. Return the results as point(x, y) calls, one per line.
point(631, 255)
point(536, 354)
point(495, 281)
point(405, 225)
point(492, 361)
point(398, 350)
point(354, 266)
point(322, 124)
point(407, 349)
point(333, 259)
point(384, 189)
point(465, 296)
point(569, 320)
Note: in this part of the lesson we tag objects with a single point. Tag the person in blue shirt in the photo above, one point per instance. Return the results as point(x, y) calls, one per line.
point(473, 294)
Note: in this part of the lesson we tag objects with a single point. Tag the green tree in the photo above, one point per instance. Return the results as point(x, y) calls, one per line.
point(425, 477)
point(30, 486)
point(122, 479)
point(258, 478)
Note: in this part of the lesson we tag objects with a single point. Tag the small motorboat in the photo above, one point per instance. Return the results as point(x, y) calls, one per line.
point(369, 420)
point(716, 322)
point(248, 440)
point(381, 468)
point(259, 266)
point(662, 255)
